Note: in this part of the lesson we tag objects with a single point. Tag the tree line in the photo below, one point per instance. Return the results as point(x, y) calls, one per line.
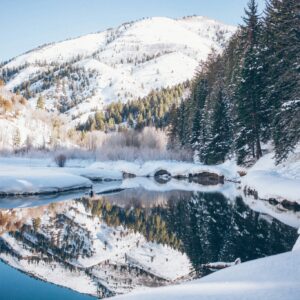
point(153, 110)
point(250, 94)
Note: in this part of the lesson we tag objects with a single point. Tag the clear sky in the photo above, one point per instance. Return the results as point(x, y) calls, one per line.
point(26, 24)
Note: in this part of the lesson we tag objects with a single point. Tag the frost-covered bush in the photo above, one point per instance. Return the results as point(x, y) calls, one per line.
point(131, 145)
point(153, 139)
point(60, 160)
point(149, 144)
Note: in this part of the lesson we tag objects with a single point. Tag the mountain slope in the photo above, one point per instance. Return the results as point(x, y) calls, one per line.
point(115, 65)
point(21, 126)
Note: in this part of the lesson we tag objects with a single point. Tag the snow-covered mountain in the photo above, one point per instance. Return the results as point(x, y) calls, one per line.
point(80, 75)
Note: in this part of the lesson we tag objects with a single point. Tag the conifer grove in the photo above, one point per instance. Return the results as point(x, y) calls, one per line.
point(249, 95)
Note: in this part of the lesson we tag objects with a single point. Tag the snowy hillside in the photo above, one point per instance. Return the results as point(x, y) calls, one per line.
point(22, 126)
point(117, 64)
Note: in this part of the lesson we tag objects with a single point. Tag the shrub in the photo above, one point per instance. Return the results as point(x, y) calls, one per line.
point(60, 160)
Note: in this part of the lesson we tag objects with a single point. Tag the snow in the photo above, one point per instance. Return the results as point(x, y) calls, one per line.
point(297, 244)
point(23, 75)
point(125, 63)
point(37, 130)
point(160, 260)
point(175, 168)
point(39, 181)
point(26, 126)
point(274, 277)
point(279, 182)
point(270, 185)
point(61, 51)
point(38, 176)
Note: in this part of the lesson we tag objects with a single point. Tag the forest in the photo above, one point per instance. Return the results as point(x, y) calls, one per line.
point(246, 98)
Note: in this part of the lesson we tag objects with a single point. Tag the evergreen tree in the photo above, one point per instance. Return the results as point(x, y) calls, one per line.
point(219, 144)
point(260, 75)
point(198, 134)
point(182, 126)
point(248, 125)
point(99, 120)
point(282, 39)
point(40, 104)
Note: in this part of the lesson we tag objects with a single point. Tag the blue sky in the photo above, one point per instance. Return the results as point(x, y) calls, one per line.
point(27, 24)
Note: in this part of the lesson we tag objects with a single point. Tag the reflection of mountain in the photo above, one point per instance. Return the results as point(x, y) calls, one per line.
point(117, 243)
point(69, 241)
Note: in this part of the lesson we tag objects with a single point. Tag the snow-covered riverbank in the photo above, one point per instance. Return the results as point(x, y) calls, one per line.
point(265, 180)
point(274, 277)
point(36, 176)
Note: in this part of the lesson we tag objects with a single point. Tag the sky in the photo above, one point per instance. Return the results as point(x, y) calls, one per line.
point(26, 24)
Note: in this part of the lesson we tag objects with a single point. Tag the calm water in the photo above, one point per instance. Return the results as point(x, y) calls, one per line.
point(95, 245)
point(16, 285)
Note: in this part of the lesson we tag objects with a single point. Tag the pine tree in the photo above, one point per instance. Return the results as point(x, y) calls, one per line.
point(130, 120)
point(198, 133)
point(40, 104)
point(282, 40)
point(260, 75)
point(99, 121)
point(219, 144)
point(248, 123)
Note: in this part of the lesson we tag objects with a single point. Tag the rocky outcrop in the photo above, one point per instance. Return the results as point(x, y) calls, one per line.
point(206, 178)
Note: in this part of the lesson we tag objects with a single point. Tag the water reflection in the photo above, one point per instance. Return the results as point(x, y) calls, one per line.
point(115, 243)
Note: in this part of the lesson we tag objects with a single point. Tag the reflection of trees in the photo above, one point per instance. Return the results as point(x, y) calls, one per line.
point(213, 228)
point(8, 221)
point(149, 222)
point(207, 226)
point(14, 219)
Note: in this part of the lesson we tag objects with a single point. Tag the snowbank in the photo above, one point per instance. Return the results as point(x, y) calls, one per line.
point(280, 182)
point(18, 181)
point(174, 168)
point(274, 277)
point(37, 176)
point(270, 185)
point(96, 174)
